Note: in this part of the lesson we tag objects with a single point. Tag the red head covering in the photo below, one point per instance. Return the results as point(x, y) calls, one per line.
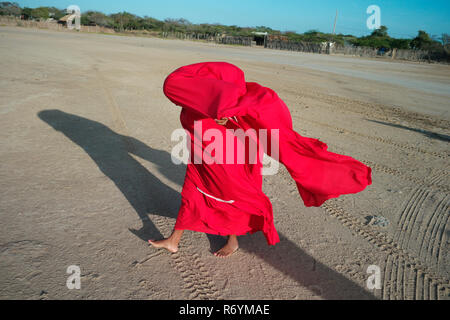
point(216, 90)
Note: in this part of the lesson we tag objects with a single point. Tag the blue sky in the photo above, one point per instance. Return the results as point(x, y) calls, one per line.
point(402, 17)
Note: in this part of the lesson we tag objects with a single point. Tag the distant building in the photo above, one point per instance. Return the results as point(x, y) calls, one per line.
point(66, 19)
point(259, 38)
point(71, 21)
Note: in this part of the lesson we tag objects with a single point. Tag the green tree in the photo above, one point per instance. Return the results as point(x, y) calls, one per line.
point(26, 13)
point(124, 21)
point(400, 43)
point(56, 13)
point(422, 41)
point(40, 13)
point(148, 23)
point(263, 29)
point(378, 39)
point(10, 9)
point(95, 18)
point(380, 32)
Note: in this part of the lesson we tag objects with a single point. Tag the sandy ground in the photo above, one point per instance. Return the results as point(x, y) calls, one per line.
point(86, 175)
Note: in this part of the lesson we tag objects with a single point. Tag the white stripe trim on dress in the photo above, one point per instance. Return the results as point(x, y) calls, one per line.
point(208, 195)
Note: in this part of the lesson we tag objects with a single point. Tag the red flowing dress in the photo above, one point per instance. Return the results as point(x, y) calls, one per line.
point(226, 198)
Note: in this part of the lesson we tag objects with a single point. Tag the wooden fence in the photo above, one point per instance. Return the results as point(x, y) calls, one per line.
point(188, 36)
point(323, 48)
point(296, 46)
point(401, 54)
point(243, 41)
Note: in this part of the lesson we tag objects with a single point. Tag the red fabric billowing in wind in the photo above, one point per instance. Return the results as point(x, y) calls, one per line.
point(228, 199)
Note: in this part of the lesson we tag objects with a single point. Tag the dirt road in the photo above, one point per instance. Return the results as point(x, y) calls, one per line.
point(87, 178)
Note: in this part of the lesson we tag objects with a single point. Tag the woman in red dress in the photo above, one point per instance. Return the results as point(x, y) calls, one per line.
point(222, 194)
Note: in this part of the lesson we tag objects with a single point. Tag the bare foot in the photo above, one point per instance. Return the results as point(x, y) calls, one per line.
point(231, 247)
point(164, 244)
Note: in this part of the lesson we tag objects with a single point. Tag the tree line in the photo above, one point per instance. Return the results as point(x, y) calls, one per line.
point(125, 21)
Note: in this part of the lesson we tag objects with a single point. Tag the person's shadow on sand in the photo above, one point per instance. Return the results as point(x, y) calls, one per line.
point(147, 194)
point(111, 152)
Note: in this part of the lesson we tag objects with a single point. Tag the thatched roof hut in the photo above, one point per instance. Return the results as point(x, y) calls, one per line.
point(64, 20)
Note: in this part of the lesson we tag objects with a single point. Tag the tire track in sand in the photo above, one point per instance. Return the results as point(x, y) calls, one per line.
point(368, 109)
point(376, 138)
point(405, 276)
point(404, 271)
point(198, 284)
point(433, 183)
point(426, 231)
